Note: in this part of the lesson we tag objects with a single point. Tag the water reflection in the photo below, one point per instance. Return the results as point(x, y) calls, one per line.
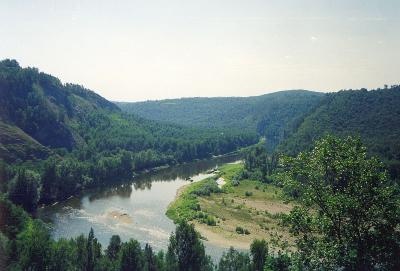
point(122, 190)
point(134, 209)
point(145, 180)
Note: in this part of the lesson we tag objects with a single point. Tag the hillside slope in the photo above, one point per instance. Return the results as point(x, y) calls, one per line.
point(292, 120)
point(271, 115)
point(373, 115)
point(42, 108)
point(74, 138)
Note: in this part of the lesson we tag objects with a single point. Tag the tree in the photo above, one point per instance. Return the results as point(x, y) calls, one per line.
point(131, 256)
point(62, 258)
point(349, 212)
point(113, 247)
point(259, 252)
point(234, 260)
point(49, 178)
point(279, 262)
point(33, 247)
point(81, 252)
point(24, 189)
point(149, 259)
point(186, 250)
point(90, 248)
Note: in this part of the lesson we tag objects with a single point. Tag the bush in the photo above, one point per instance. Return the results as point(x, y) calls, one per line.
point(211, 221)
point(235, 182)
point(239, 230)
point(207, 188)
point(248, 194)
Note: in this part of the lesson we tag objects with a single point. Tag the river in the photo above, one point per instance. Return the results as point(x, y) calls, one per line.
point(132, 210)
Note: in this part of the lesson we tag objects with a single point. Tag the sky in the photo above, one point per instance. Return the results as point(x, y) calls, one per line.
point(147, 50)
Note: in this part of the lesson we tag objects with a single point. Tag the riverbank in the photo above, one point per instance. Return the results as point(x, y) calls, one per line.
point(131, 210)
point(235, 214)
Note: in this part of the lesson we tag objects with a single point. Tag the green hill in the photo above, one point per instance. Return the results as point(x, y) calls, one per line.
point(373, 115)
point(292, 120)
point(40, 114)
point(271, 115)
point(75, 138)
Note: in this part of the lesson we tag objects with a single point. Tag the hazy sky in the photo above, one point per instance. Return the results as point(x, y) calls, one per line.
point(139, 50)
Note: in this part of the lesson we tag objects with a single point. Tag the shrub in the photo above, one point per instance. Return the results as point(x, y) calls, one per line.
point(248, 194)
point(207, 188)
point(235, 182)
point(211, 221)
point(239, 230)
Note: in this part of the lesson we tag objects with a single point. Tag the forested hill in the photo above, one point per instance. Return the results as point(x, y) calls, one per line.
point(39, 113)
point(272, 115)
point(373, 115)
point(293, 120)
point(73, 138)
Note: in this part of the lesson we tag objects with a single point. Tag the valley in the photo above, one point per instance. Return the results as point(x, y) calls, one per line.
point(86, 183)
point(132, 209)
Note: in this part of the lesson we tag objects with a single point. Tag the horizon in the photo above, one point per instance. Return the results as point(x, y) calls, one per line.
point(133, 51)
point(195, 97)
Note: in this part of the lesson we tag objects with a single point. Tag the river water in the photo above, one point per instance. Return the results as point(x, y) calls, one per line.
point(131, 210)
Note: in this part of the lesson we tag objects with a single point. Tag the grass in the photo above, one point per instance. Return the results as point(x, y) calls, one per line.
point(186, 206)
point(251, 205)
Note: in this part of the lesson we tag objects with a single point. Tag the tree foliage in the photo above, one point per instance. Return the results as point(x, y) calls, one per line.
point(349, 212)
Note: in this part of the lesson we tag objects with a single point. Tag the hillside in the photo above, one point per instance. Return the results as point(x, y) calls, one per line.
point(75, 138)
point(37, 108)
point(292, 120)
point(271, 115)
point(373, 115)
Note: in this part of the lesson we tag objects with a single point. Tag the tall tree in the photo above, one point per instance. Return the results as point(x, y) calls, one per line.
point(49, 177)
point(187, 251)
point(33, 247)
point(24, 189)
point(349, 213)
point(90, 248)
point(259, 252)
point(233, 260)
point(131, 256)
point(149, 259)
point(113, 247)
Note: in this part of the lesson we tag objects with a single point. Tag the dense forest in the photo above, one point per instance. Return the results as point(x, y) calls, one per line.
point(373, 115)
point(57, 139)
point(25, 244)
point(271, 115)
point(292, 120)
point(346, 218)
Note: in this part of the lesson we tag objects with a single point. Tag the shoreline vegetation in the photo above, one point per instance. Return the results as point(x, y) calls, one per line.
point(138, 174)
point(235, 214)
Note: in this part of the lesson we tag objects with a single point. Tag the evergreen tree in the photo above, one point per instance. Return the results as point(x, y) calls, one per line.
point(259, 252)
point(113, 247)
point(24, 189)
point(186, 250)
point(131, 256)
point(233, 260)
